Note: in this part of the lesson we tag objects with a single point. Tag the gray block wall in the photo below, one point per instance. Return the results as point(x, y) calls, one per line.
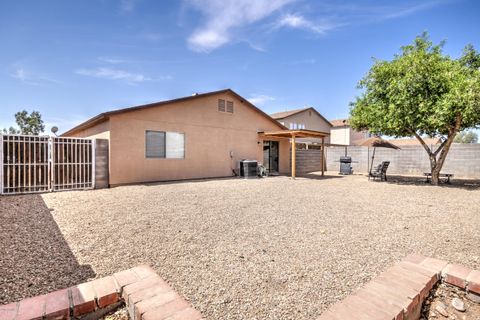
point(463, 160)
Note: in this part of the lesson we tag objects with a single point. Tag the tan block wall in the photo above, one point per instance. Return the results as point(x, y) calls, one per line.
point(210, 135)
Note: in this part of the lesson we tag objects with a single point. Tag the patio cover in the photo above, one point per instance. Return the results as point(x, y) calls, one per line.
point(292, 135)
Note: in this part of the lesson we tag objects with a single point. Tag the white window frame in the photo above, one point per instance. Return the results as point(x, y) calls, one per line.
point(173, 154)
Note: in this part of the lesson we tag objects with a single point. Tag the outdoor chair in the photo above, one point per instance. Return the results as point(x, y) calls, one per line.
point(380, 171)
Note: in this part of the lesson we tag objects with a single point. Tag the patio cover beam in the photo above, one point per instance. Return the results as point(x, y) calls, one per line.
point(292, 135)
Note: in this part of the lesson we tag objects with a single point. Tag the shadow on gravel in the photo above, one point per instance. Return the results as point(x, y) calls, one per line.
point(468, 184)
point(318, 176)
point(312, 175)
point(34, 256)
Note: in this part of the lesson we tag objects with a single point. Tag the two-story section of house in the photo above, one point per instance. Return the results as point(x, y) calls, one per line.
point(304, 119)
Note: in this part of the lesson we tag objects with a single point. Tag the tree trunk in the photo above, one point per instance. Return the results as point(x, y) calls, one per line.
point(435, 171)
point(436, 164)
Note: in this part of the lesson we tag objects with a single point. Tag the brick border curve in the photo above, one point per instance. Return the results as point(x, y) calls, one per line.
point(399, 292)
point(396, 294)
point(146, 295)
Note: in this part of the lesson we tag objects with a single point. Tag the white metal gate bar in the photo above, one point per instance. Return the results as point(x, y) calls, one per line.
point(72, 163)
point(25, 164)
point(32, 164)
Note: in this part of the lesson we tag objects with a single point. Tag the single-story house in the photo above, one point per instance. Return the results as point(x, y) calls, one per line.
point(306, 118)
point(199, 136)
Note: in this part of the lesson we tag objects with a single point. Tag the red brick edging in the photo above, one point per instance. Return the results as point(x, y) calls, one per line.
point(398, 293)
point(146, 295)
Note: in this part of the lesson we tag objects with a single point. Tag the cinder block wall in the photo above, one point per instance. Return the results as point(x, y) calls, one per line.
point(463, 160)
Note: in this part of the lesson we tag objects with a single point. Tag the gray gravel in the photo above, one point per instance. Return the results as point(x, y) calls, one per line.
point(273, 248)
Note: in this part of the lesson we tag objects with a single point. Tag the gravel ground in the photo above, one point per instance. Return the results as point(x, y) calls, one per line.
point(272, 248)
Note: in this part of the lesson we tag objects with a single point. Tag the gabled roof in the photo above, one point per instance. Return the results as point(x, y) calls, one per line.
point(285, 114)
point(105, 115)
point(340, 122)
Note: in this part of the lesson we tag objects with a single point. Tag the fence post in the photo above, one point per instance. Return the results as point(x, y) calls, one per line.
point(94, 152)
point(2, 164)
point(50, 163)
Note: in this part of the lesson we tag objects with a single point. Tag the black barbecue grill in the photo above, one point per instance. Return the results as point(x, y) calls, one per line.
point(346, 165)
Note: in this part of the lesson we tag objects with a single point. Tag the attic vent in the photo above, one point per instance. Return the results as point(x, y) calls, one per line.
point(221, 105)
point(230, 106)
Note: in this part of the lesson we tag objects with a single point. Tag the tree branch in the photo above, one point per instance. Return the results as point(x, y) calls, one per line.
point(441, 146)
point(427, 148)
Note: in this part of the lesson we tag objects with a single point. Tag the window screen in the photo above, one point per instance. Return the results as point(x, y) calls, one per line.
point(221, 105)
point(155, 144)
point(230, 106)
point(175, 145)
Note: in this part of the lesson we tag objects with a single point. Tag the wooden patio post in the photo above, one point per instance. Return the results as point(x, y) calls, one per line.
point(293, 157)
point(323, 157)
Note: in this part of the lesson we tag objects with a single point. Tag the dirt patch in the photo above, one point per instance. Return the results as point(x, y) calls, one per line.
point(35, 258)
point(119, 314)
point(449, 302)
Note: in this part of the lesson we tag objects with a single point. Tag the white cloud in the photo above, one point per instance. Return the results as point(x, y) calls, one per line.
point(27, 77)
point(113, 74)
point(298, 21)
point(411, 10)
point(260, 99)
point(222, 16)
point(19, 74)
point(111, 60)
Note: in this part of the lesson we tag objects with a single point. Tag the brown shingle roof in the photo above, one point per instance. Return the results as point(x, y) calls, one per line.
point(285, 114)
point(339, 122)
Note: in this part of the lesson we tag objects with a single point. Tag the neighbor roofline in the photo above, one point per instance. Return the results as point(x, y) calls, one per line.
point(106, 115)
point(305, 109)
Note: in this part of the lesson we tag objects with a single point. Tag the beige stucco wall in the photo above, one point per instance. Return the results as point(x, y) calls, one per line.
point(340, 135)
point(99, 131)
point(210, 136)
point(346, 135)
point(312, 121)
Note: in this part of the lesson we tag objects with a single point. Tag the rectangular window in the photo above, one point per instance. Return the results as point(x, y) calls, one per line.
point(230, 106)
point(175, 148)
point(160, 144)
point(221, 105)
point(155, 144)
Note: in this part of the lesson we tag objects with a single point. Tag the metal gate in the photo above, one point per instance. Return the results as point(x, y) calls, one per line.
point(32, 164)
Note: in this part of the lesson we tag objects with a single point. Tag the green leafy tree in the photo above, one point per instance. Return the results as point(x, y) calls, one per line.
point(29, 124)
point(421, 92)
point(466, 137)
point(11, 130)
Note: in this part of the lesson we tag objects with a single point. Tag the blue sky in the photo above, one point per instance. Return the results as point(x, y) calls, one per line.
point(71, 60)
